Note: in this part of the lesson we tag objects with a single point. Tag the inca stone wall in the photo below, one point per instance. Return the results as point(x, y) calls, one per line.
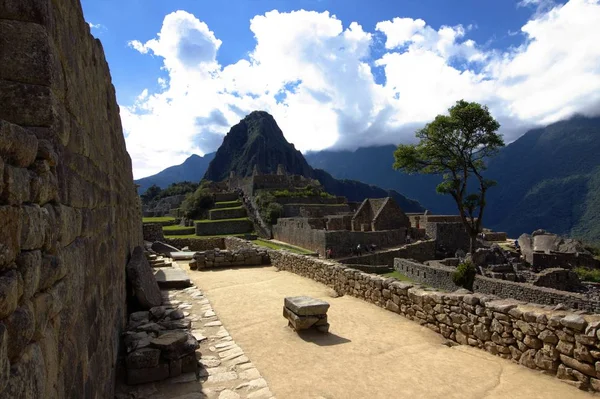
point(440, 276)
point(559, 343)
point(195, 244)
point(69, 213)
point(153, 232)
point(421, 251)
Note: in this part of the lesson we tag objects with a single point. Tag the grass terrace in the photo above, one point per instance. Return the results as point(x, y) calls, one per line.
point(274, 245)
point(202, 237)
point(398, 276)
point(158, 219)
point(219, 220)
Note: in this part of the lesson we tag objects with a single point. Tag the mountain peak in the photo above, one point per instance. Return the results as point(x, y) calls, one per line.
point(256, 141)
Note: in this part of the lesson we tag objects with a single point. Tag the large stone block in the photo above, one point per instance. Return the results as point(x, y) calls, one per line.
point(34, 228)
point(27, 376)
point(20, 326)
point(42, 308)
point(18, 147)
point(4, 362)
point(29, 265)
point(306, 306)
point(143, 358)
point(10, 231)
point(26, 104)
point(17, 185)
point(9, 292)
point(38, 11)
point(139, 273)
point(142, 376)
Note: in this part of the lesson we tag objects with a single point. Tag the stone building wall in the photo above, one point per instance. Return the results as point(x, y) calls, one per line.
point(217, 227)
point(557, 342)
point(448, 236)
point(69, 212)
point(390, 216)
point(342, 241)
point(420, 251)
point(299, 232)
point(440, 276)
point(153, 232)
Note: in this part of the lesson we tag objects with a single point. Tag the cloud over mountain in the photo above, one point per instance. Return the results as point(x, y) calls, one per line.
point(317, 77)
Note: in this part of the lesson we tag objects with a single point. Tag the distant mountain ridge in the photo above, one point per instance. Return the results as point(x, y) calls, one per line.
point(192, 169)
point(549, 178)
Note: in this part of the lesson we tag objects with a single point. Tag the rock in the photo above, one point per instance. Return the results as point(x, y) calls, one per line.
point(139, 273)
point(299, 322)
point(4, 362)
point(306, 306)
point(10, 231)
point(140, 316)
point(177, 314)
point(9, 291)
point(20, 326)
point(158, 312)
point(143, 358)
point(29, 265)
point(142, 376)
point(163, 248)
point(176, 324)
point(27, 375)
point(574, 322)
point(548, 337)
point(585, 368)
point(136, 340)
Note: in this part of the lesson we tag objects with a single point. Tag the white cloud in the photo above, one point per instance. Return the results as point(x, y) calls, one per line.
point(315, 77)
point(96, 26)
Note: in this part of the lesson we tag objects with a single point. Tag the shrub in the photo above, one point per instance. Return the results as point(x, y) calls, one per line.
point(196, 204)
point(584, 274)
point(273, 212)
point(464, 276)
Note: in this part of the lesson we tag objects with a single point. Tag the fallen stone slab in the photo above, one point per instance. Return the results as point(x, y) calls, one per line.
point(172, 278)
point(306, 306)
point(299, 322)
point(163, 248)
point(139, 274)
point(182, 255)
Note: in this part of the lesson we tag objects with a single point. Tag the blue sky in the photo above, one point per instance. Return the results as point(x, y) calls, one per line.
point(342, 74)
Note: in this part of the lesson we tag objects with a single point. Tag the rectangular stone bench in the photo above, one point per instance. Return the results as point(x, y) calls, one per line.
point(304, 312)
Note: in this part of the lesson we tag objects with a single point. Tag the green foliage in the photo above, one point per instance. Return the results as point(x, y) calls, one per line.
point(464, 275)
point(273, 212)
point(308, 191)
point(588, 274)
point(150, 194)
point(158, 219)
point(456, 147)
point(196, 204)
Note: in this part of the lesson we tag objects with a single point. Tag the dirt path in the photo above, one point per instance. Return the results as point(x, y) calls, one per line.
point(369, 353)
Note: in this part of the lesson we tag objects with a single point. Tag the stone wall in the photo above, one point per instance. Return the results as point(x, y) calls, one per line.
point(541, 260)
point(299, 232)
point(559, 343)
point(421, 251)
point(153, 232)
point(495, 236)
point(197, 244)
point(311, 200)
point(440, 276)
point(225, 197)
point(342, 241)
point(69, 212)
point(227, 213)
point(449, 237)
point(223, 227)
point(227, 258)
point(559, 279)
point(313, 210)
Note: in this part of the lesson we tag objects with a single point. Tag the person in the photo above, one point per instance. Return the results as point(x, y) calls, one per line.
point(408, 239)
point(373, 247)
point(328, 253)
point(358, 250)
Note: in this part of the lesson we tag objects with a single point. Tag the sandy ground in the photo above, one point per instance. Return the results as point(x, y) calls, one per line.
point(369, 353)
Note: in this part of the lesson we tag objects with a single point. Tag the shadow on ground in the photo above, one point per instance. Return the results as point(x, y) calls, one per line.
point(321, 339)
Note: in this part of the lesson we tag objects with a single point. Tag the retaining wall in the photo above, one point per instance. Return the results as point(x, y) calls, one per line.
point(557, 342)
point(69, 212)
point(421, 251)
point(153, 232)
point(224, 227)
point(440, 276)
point(224, 213)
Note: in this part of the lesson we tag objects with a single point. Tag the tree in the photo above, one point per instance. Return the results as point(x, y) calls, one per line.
point(196, 204)
point(456, 146)
point(152, 192)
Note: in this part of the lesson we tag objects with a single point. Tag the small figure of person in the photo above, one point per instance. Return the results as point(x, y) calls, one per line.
point(373, 247)
point(328, 253)
point(358, 250)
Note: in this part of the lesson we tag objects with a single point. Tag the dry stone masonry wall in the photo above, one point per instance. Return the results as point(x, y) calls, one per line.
point(69, 213)
point(557, 342)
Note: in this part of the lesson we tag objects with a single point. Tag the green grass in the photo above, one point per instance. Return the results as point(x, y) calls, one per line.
point(397, 275)
point(584, 274)
point(220, 220)
point(214, 236)
point(176, 227)
point(158, 219)
point(226, 209)
point(234, 202)
point(272, 245)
